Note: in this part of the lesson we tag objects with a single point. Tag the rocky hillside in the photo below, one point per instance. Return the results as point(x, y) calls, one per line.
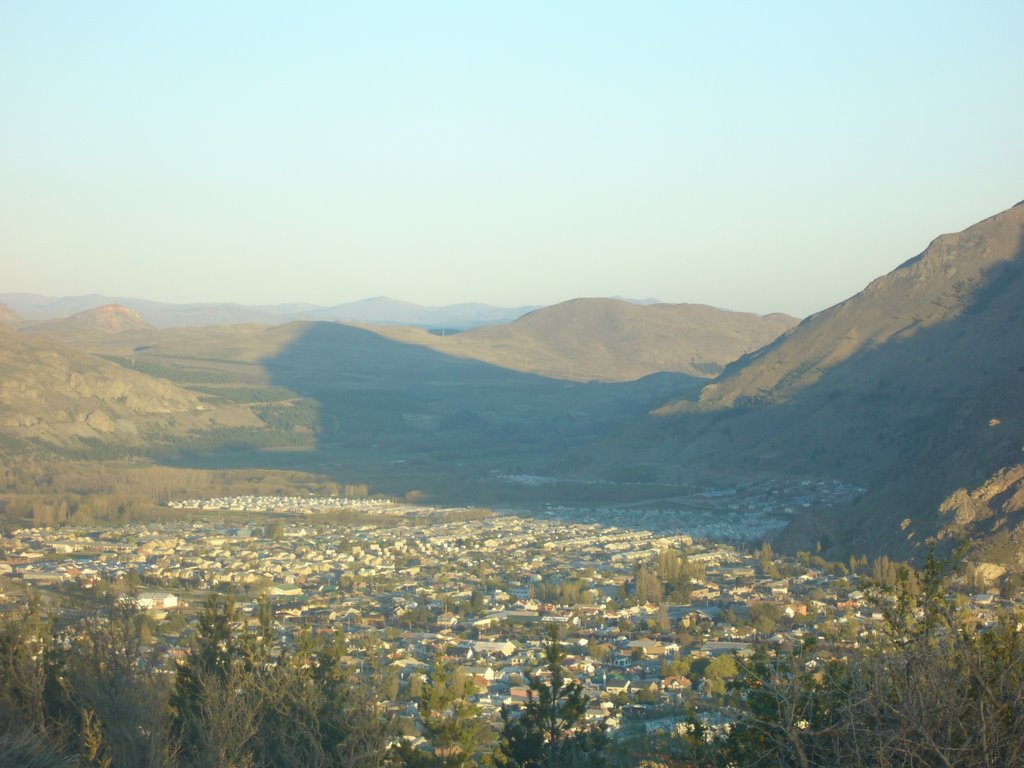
point(913, 388)
point(56, 396)
point(992, 515)
point(611, 340)
point(956, 280)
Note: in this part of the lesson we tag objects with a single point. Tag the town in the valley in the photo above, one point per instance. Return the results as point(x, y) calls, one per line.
point(655, 618)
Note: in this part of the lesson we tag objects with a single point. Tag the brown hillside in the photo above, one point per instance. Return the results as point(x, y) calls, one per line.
point(108, 319)
point(610, 340)
point(956, 274)
point(60, 396)
point(913, 388)
point(8, 317)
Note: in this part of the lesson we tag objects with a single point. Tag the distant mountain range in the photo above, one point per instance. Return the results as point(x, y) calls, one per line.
point(580, 340)
point(234, 370)
point(379, 310)
point(912, 389)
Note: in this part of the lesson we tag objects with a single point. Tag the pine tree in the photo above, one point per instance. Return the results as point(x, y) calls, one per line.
point(767, 565)
point(550, 731)
point(452, 722)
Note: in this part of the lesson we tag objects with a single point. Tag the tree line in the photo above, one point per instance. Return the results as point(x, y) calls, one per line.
point(45, 492)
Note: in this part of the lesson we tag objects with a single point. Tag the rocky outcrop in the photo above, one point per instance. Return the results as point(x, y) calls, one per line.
point(991, 515)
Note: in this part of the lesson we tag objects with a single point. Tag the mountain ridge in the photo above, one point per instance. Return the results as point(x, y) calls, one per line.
point(864, 320)
point(611, 339)
point(380, 309)
point(913, 388)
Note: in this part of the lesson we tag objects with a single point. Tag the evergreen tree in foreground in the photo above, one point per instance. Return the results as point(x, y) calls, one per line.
point(452, 723)
point(235, 705)
point(550, 730)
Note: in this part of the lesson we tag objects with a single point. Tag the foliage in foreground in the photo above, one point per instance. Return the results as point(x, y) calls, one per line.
point(91, 695)
point(550, 730)
point(934, 689)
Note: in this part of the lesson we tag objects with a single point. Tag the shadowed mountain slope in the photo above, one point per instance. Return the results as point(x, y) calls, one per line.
point(406, 398)
point(611, 340)
point(367, 409)
point(914, 388)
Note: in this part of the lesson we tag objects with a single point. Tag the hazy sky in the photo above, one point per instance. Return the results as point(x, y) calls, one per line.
point(754, 156)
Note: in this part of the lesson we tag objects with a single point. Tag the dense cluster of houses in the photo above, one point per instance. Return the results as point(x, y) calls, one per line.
point(480, 593)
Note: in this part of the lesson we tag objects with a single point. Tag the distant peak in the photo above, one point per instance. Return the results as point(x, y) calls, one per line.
point(113, 310)
point(112, 318)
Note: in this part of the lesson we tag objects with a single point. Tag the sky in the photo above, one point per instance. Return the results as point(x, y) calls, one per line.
point(763, 157)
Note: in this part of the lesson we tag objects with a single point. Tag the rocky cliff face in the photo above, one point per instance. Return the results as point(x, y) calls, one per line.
point(992, 515)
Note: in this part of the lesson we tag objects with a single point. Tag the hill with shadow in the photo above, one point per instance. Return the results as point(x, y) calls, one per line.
point(321, 397)
point(350, 403)
point(396, 408)
point(56, 398)
point(914, 388)
point(611, 339)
